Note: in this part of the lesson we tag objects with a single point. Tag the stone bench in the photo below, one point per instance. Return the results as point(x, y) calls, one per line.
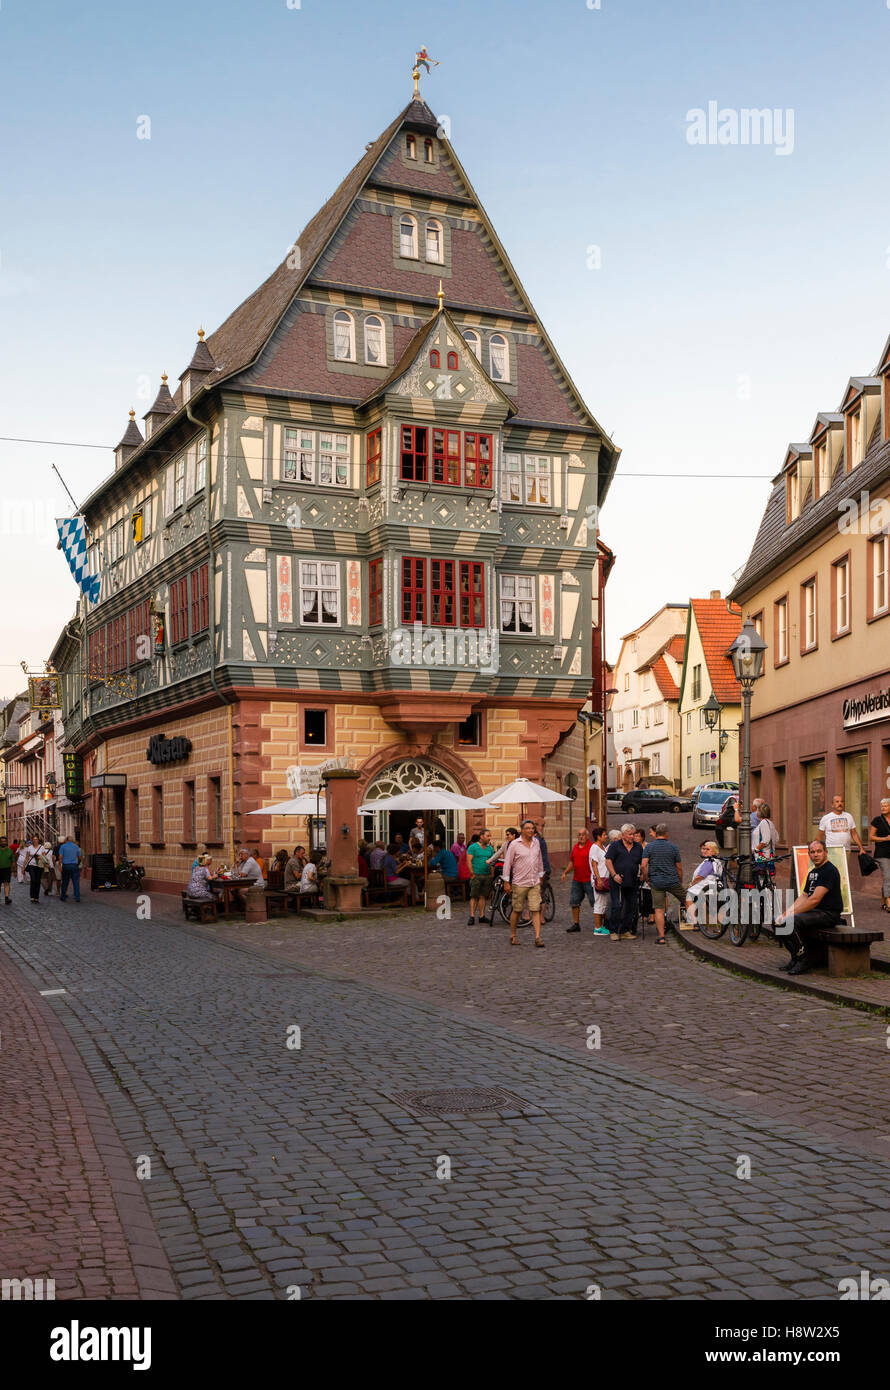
point(199, 909)
point(848, 949)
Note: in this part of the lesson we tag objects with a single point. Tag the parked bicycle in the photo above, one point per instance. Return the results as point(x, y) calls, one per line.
point(502, 901)
point(129, 874)
point(759, 907)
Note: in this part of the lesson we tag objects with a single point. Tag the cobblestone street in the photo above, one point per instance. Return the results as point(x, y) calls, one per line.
point(275, 1168)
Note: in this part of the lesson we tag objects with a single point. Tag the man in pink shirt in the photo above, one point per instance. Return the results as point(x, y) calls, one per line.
point(524, 869)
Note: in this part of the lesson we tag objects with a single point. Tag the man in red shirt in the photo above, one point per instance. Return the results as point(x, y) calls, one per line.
point(581, 884)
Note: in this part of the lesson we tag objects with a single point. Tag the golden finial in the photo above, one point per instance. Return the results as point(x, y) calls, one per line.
point(441, 297)
point(201, 334)
point(416, 75)
point(132, 415)
point(164, 378)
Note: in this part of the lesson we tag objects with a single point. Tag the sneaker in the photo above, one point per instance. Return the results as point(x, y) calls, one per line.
point(574, 928)
point(614, 935)
point(601, 931)
point(632, 936)
point(626, 936)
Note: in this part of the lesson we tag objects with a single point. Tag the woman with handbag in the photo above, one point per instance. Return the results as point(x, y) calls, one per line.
point(601, 880)
point(33, 863)
point(881, 836)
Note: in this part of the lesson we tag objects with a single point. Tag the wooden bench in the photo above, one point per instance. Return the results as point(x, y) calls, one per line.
point(380, 890)
point(199, 909)
point(277, 902)
point(848, 949)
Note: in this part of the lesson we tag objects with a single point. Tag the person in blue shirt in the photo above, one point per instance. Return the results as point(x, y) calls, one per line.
point(539, 836)
point(445, 862)
point(70, 858)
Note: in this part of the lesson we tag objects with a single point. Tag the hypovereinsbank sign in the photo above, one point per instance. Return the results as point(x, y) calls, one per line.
point(867, 708)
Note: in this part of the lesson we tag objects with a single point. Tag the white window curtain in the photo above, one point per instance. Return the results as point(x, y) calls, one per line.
point(434, 247)
point(499, 360)
point(511, 478)
point(518, 604)
point(344, 336)
point(408, 238)
point(375, 343)
point(319, 593)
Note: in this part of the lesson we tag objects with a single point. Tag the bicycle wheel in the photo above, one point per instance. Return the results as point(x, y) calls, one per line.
point(712, 928)
point(548, 904)
point(505, 905)
point(738, 930)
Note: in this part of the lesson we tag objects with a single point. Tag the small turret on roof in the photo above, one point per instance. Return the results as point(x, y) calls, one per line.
point(129, 442)
point(163, 406)
point(199, 369)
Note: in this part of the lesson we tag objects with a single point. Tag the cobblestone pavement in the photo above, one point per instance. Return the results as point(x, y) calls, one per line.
point(71, 1209)
point(276, 1168)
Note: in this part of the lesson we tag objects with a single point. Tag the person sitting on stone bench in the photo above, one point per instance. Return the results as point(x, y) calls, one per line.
point(247, 868)
point(819, 906)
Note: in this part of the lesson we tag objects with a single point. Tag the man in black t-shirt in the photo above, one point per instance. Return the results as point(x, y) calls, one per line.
point(820, 905)
point(623, 863)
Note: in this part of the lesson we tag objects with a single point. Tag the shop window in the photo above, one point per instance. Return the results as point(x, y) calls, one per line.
point(469, 731)
point(814, 782)
point(856, 791)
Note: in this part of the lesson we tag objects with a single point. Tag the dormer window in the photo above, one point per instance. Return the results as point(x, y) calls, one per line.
point(408, 237)
point(854, 438)
point(434, 358)
point(434, 242)
point(375, 341)
point(792, 494)
point(822, 470)
point(452, 361)
point(474, 342)
point(411, 146)
point(344, 336)
point(428, 151)
point(499, 361)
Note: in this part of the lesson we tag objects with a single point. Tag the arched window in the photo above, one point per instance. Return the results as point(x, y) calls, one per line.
point(434, 358)
point(474, 342)
point(408, 237)
point(411, 147)
point(498, 357)
point(344, 336)
point(375, 341)
point(428, 151)
point(434, 242)
point(452, 361)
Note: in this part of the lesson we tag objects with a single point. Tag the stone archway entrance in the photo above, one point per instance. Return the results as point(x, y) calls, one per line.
point(404, 776)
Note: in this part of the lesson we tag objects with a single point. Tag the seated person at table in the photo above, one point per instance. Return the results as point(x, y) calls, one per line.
point(398, 844)
point(199, 883)
point(293, 870)
point(820, 905)
point(704, 876)
point(363, 865)
point(444, 861)
point(247, 868)
point(309, 876)
point(377, 855)
point(391, 870)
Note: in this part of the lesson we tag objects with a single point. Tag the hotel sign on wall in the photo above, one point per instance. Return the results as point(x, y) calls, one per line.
point(860, 710)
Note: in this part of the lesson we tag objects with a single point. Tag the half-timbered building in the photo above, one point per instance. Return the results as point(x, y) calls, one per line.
point(363, 527)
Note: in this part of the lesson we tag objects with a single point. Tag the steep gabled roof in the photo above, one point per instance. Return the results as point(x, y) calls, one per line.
point(425, 333)
point(717, 630)
point(664, 680)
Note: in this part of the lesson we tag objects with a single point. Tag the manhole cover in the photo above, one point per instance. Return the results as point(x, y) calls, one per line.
point(459, 1100)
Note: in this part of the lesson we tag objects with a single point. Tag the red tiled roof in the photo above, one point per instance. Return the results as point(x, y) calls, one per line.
point(718, 630)
point(677, 646)
point(664, 680)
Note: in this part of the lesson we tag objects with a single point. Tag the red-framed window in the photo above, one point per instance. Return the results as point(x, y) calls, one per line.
point(413, 591)
point(375, 591)
point(434, 358)
point(205, 601)
point(415, 443)
point(196, 600)
point(373, 455)
point(446, 457)
point(443, 595)
point(477, 460)
point(179, 610)
point(133, 620)
point(452, 361)
point(472, 594)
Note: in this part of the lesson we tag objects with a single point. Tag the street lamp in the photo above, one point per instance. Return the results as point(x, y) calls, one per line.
point(746, 655)
point(712, 711)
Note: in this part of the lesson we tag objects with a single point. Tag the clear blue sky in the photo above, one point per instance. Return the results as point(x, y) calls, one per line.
point(718, 263)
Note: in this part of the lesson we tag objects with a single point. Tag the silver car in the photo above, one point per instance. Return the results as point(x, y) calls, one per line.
point(708, 807)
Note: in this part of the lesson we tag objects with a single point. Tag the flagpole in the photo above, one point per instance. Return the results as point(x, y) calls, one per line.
point(66, 487)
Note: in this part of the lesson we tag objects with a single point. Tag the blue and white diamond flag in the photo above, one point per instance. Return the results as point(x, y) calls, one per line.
point(73, 539)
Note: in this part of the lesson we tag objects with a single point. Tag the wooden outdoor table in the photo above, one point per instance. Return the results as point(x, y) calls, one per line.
point(226, 888)
point(414, 874)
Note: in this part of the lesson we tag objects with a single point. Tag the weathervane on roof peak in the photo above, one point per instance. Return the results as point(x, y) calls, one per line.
point(422, 60)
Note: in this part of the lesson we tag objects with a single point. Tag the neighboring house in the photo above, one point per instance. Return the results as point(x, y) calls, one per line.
point(645, 673)
point(706, 755)
point(359, 529)
point(817, 586)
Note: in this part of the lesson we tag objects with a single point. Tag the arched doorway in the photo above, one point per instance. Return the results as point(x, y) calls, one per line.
point(404, 776)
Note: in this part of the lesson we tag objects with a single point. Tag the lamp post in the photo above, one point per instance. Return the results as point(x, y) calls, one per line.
point(746, 655)
point(712, 711)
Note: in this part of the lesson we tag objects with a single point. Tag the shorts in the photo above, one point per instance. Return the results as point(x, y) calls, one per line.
point(659, 898)
point(530, 894)
point(5, 875)
point(480, 885)
point(580, 891)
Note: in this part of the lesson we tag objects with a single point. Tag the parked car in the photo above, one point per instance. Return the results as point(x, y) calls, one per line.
point(614, 800)
point(655, 799)
point(708, 807)
point(713, 786)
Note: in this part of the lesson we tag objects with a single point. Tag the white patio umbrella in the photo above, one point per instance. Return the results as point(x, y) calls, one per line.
point(520, 791)
point(298, 806)
point(422, 798)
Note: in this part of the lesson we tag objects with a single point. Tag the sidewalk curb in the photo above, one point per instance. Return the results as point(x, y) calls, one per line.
point(770, 977)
